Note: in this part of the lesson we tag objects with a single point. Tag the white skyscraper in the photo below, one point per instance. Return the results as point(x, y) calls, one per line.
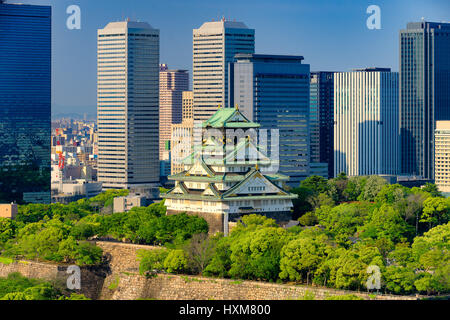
point(214, 46)
point(127, 100)
point(366, 128)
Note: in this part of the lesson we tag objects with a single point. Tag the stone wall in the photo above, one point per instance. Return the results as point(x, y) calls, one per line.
point(119, 279)
point(121, 259)
point(177, 287)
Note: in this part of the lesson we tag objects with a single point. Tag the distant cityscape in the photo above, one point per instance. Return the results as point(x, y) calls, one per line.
point(368, 121)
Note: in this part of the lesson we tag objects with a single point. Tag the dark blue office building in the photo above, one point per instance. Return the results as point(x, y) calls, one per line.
point(424, 81)
point(321, 119)
point(273, 90)
point(25, 102)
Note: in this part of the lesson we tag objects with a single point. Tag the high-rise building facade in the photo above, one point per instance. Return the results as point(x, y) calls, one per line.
point(366, 136)
point(127, 99)
point(321, 119)
point(25, 102)
point(172, 83)
point(442, 156)
point(182, 137)
point(424, 93)
point(273, 90)
point(187, 108)
point(214, 46)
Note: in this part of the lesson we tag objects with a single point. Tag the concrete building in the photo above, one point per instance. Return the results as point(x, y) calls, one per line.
point(424, 93)
point(224, 178)
point(124, 204)
point(8, 210)
point(273, 91)
point(128, 105)
point(214, 46)
point(25, 101)
point(172, 83)
point(366, 136)
point(321, 120)
point(442, 156)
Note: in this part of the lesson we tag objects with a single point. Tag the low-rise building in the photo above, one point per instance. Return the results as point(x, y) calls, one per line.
point(8, 210)
point(124, 204)
point(442, 156)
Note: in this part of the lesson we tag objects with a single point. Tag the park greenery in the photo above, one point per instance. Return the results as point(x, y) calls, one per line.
point(345, 226)
point(60, 233)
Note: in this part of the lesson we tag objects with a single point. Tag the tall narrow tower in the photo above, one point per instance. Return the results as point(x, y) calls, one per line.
point(25, 102)
point(214, 46)
point(424, 92)
point(127, 99)
point(172, 83)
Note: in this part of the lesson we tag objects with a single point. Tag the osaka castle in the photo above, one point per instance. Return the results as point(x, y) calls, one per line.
point(225, 176)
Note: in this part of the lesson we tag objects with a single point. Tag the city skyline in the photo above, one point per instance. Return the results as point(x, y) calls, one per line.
point(73, 49)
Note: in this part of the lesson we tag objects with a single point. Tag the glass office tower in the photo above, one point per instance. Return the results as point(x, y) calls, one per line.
point(25, 102)
point(321, 119)
point(273, 90)
point(424, 93)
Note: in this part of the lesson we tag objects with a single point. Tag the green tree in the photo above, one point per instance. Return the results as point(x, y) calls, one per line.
point(301, 257)
point(256, 254)
point(354, 188)
point(200, 251)
point(151, 260)
point(7, 230)
point(432, 189)
point(175, 261)
point(315, 183)
point(308, 219)
point(436, 210)
point(386, 222)
point(372, 187)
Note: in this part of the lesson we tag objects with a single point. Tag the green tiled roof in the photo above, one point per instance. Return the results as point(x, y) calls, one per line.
point(218, 198)
point(222, 177)
point(221, 117)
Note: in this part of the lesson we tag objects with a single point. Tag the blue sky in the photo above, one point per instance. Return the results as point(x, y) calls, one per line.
point(330, 34)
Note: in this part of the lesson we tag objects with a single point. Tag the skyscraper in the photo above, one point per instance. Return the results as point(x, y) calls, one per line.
point(214, 46)
point(366, 120)
point(172, 83)
point(273, 90)
point(25, 102)
point(182, 137)
point(424, 92)
point(127, 98)
point(321, 119)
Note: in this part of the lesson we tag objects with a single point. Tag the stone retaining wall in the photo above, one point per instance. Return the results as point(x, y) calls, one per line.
point(119, 279)
point(177, 287)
